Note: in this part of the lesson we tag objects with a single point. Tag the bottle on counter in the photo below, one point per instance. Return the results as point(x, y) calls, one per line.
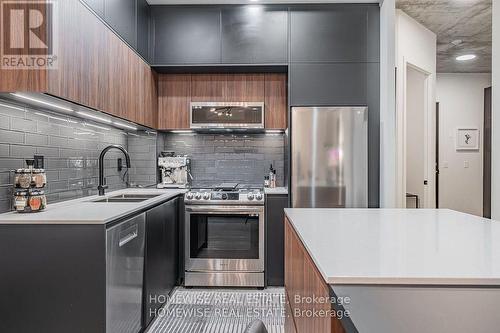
point(273, 179)
point(271, 172)
point(267, 182)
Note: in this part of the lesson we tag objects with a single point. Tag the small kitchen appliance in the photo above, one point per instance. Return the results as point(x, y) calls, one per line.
point(175, 171)
point(224, 236)
point(227, 115)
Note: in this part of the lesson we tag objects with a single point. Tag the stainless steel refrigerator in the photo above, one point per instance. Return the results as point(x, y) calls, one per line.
point(329, 160)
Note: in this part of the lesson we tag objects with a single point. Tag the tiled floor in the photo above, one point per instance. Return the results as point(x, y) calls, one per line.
point(220, 311)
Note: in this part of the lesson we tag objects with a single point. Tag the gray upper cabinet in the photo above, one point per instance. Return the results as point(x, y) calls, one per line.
point(254, 34)
point(186, 35)
point(342, 33)
point(96, 5)
point(121, 16)
point(143, 18)
point(318, 84)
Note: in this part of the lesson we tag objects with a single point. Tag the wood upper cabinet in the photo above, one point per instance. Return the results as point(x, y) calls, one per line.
point(177, 91)
point(276, 101)
point(207, 87)
point(174, 93)
point(96, 69)
point(244, 88)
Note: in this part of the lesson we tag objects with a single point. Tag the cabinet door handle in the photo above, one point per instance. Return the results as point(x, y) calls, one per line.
point(130, 233)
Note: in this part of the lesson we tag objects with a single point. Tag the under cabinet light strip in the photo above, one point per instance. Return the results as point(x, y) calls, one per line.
point(42, 102)
point(91, 116)
point(181, 131)
point(125, 126)
point(96, 126)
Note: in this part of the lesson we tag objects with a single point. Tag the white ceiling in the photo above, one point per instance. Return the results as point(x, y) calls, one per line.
point(218, 2)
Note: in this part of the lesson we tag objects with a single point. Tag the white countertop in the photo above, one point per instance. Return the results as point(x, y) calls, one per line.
point(276, 190)
point(84, 211)
point(382, 246)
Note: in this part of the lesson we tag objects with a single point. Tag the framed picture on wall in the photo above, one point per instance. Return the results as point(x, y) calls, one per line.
point(467, 138)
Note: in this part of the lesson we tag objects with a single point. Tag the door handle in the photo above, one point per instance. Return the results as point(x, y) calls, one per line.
point(130, 234)
point(233, 210)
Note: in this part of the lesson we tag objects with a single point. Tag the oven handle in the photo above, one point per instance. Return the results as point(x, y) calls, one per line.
point(224, 209)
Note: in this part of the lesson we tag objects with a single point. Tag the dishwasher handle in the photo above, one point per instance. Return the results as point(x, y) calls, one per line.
point(128, 234)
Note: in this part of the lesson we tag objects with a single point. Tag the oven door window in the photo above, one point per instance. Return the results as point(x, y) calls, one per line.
point(224, 236)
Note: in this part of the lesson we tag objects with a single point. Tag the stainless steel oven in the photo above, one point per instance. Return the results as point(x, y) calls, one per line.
point(224, 115)
point(224, 244)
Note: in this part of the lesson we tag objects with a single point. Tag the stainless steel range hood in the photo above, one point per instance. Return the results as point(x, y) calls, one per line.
point(227, 116)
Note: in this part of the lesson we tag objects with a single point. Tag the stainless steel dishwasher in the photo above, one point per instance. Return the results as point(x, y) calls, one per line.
point(124, 275)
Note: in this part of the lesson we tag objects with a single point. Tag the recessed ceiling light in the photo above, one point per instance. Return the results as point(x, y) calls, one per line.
point(254, 0)
point(466, 57)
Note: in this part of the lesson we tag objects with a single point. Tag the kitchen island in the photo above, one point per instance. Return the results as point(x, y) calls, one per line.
point(391, 271)
point(90, 265)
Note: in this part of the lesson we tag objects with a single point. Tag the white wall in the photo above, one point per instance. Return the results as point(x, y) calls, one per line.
point(415, 47)
point(387, 104)
point(415, 132)
point(461, 104)
point(495, 169)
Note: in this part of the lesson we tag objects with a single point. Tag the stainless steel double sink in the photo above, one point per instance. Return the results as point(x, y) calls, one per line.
point(127, 198)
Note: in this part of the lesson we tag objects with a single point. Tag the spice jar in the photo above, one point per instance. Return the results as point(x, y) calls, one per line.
point(21, 200)
point(26, 201)
point(23, 178)
point(37, 201)
point(39, 178)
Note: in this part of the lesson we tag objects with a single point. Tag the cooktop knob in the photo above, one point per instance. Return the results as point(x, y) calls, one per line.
point(258, 196)
point(198, 196)
point(250, 196)
point(224, 196)
point(189, 195)
point(206, 195)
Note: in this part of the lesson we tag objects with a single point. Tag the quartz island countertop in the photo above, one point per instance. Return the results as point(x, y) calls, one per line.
point(85, 211)
point(400, 247)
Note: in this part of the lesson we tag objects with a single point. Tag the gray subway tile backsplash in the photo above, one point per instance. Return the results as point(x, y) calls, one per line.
point(71, 151)
point(241, 158)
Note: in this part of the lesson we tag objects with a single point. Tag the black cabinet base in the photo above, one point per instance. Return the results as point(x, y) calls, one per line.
point(275, 239)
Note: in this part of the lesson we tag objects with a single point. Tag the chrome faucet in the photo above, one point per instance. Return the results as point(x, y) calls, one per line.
point(102, 181)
